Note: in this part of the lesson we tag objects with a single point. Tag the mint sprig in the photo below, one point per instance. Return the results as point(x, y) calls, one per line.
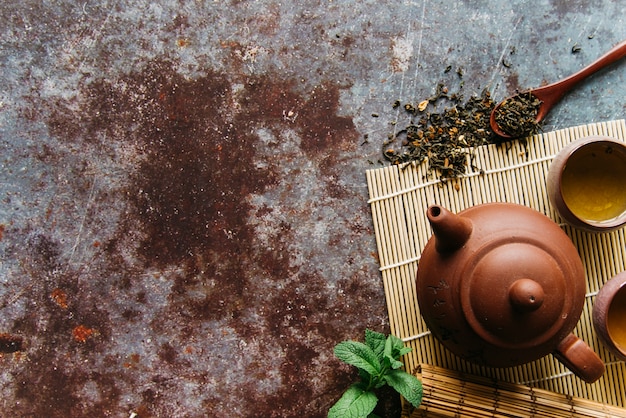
point(378, 362)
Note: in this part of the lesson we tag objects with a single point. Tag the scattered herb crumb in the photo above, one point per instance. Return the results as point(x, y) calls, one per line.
point(576, 48)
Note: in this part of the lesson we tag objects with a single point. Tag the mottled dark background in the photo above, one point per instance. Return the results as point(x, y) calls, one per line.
point(184, 228)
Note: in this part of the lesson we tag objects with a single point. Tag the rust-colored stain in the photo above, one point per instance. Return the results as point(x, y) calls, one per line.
point(133, 361)
point(183, 42)
point(59, 297)
point(81, 333)
point(199, 270)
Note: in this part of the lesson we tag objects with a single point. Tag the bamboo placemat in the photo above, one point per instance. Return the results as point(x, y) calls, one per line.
point(399, 196)
point(454, 394)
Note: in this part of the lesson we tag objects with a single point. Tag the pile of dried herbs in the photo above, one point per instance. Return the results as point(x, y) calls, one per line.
point(517, 115)
point(443, 139)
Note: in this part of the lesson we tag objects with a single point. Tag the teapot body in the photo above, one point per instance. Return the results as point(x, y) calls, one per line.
point(507, 292)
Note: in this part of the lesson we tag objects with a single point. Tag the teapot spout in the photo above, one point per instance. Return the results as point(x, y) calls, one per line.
point(451, 231)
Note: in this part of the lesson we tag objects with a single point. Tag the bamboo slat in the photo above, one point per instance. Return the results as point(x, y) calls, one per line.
point(399, 196)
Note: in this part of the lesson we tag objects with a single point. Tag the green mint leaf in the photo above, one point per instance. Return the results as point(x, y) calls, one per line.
point(375, 341)
point(405, 350)
point(359, 355)
point(389, 346)
point(365, 376)
point(379, 383)
point(397, 345)
point(393, 346)
point(355, 403)
point(406, 385)
point(392, 363)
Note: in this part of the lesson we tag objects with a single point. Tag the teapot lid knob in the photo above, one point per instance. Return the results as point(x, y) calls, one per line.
point(526, 295)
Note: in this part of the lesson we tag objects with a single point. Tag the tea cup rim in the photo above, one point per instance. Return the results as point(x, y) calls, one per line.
point(563, 209)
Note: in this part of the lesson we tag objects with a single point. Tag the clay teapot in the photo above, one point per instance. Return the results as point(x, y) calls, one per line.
point(501, 284)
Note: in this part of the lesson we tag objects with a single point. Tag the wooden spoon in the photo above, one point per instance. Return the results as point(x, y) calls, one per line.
point(551, 94)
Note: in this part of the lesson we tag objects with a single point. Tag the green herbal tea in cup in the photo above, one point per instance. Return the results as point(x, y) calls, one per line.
point(587, 183)
point(593, 183)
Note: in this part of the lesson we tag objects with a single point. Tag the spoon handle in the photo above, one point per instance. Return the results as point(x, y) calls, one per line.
point(557, 90)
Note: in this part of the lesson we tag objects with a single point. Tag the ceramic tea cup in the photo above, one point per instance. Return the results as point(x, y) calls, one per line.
point(609, 315)
point(586, 183)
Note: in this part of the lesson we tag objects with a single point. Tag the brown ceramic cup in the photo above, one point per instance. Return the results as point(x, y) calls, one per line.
point(609, 315)
point(586, 183)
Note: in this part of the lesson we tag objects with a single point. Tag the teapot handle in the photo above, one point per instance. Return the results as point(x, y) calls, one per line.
point(579, 358)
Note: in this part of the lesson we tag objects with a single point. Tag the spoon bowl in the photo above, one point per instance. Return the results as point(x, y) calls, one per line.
point(551, 94)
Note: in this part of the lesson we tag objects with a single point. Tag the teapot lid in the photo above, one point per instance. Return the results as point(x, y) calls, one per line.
point(515, 293)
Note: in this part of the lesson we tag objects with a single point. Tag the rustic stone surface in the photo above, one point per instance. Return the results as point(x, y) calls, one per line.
point(184, 228)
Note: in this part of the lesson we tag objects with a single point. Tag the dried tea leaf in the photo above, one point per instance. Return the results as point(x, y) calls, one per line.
point(517, 116)
point(444, 139)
